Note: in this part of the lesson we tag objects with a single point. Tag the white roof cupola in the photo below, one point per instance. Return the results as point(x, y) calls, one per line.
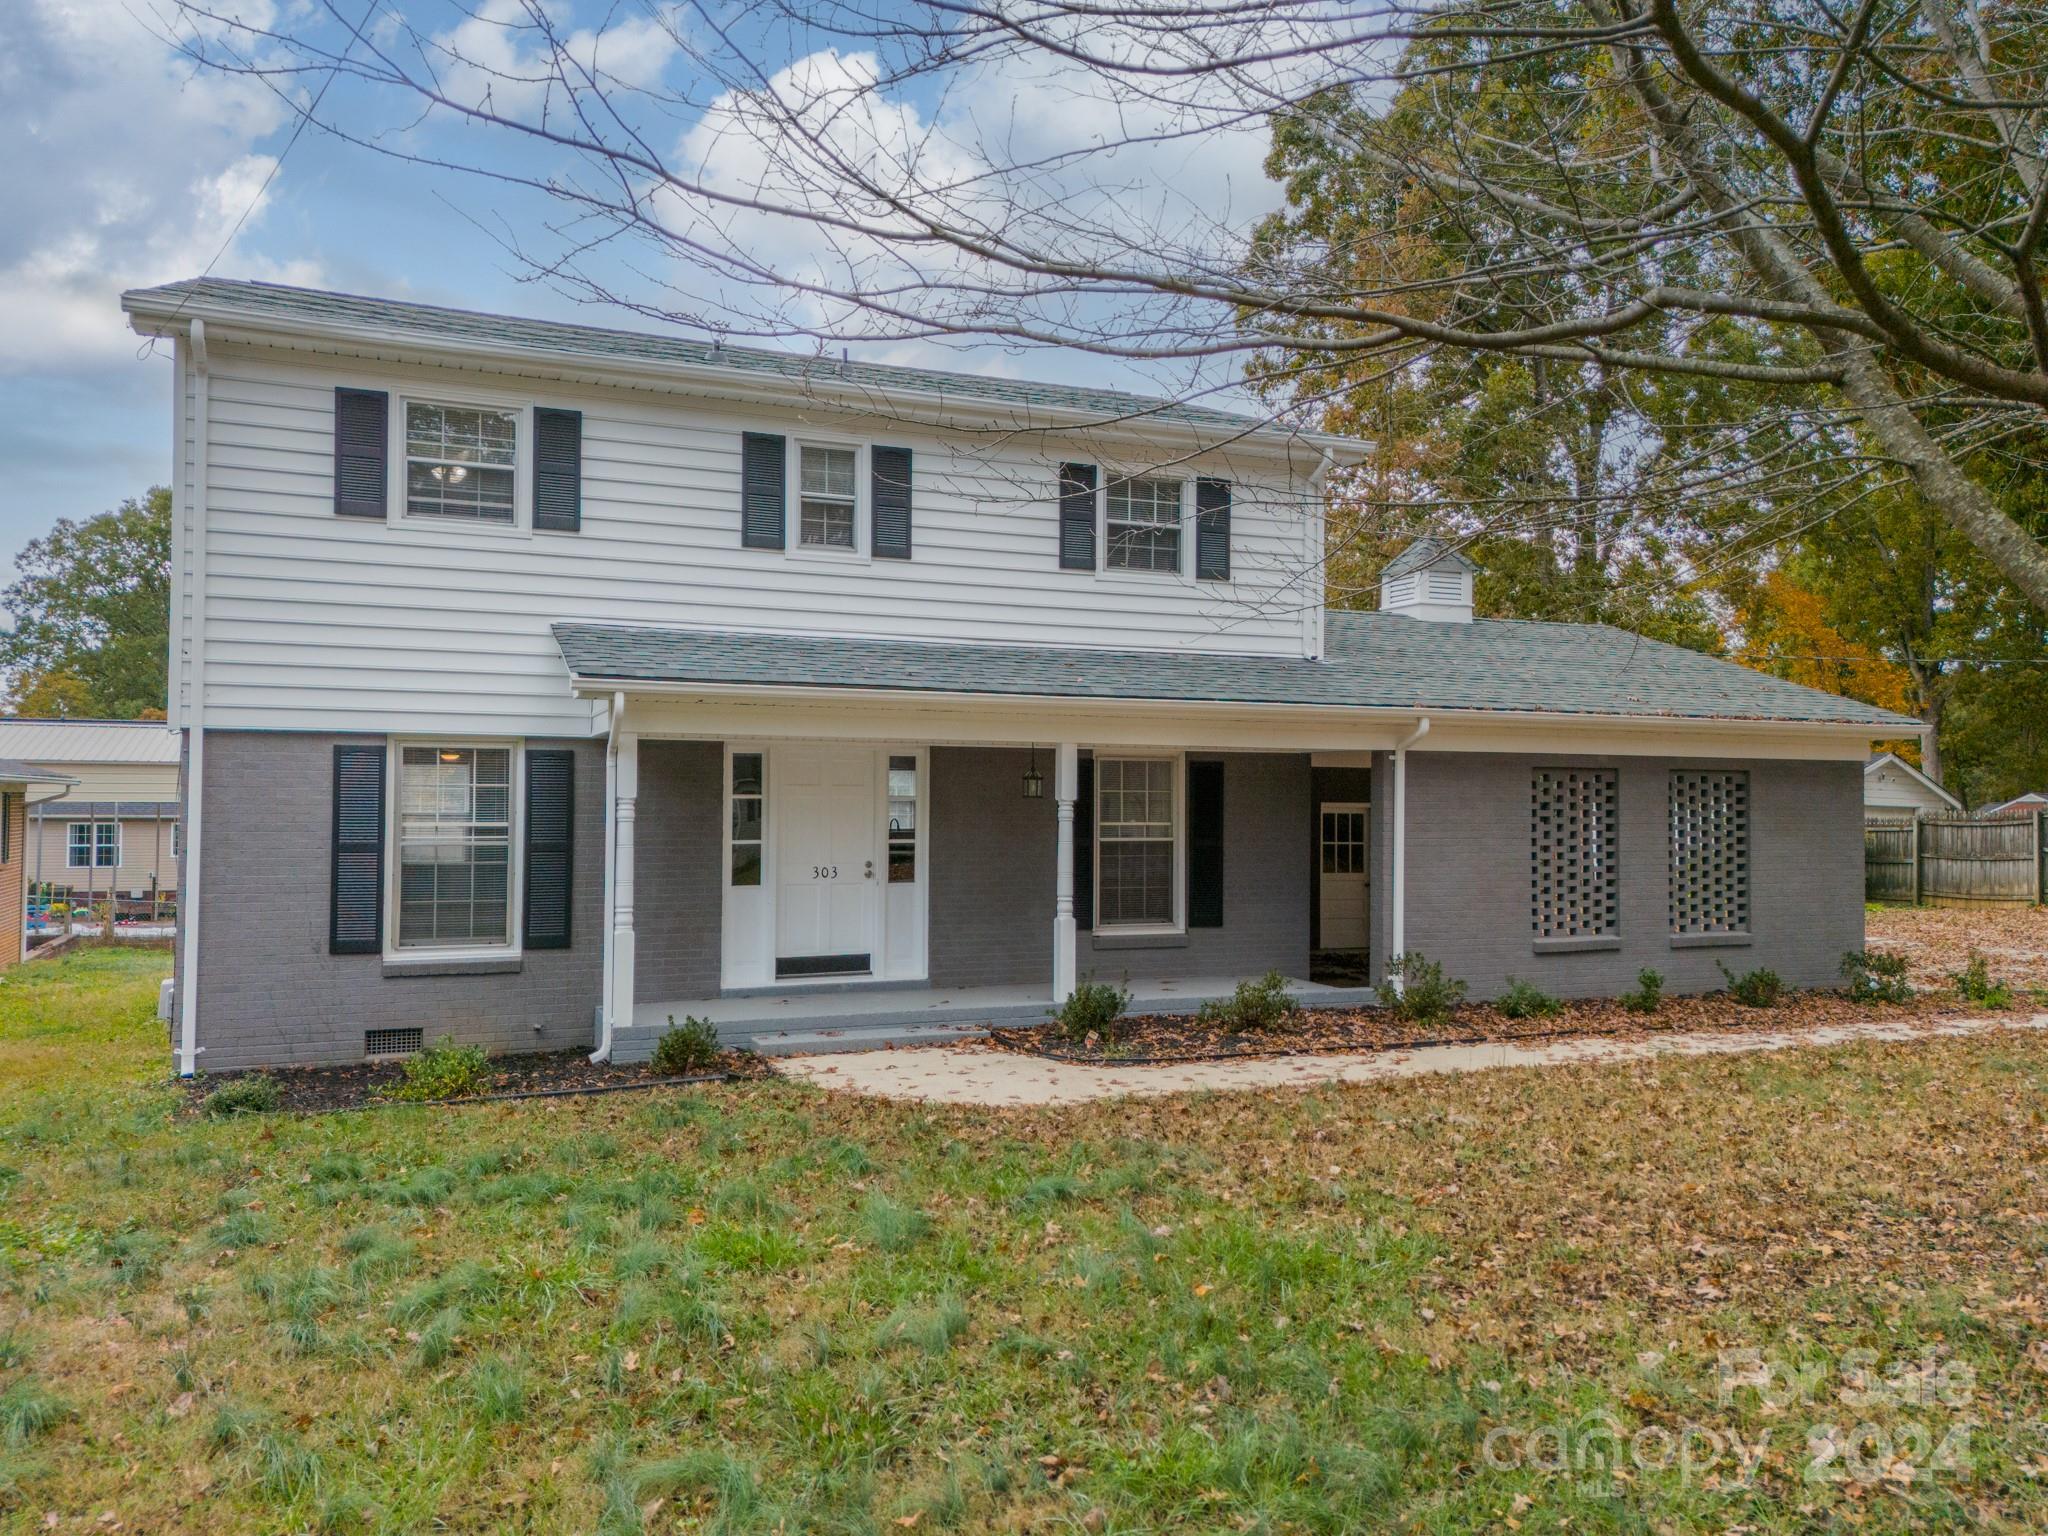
point(1428, 580)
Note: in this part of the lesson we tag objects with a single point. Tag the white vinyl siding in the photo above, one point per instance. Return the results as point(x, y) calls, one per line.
point(420, 626)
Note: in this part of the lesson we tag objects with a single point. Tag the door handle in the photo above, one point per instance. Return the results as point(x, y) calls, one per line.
point(870, 870)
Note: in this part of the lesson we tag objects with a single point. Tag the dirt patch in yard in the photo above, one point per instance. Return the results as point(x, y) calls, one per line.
point(1152, 1038)
point(540, 1074)
point(1936, 941)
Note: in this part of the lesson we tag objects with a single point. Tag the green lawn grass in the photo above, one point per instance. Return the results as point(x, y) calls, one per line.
point(763, 1308)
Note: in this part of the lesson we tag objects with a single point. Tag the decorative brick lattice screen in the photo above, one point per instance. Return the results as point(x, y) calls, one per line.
point(1709, 853)
point(1573, 889)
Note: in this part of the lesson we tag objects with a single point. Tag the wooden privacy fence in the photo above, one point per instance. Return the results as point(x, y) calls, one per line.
point(1956, 861)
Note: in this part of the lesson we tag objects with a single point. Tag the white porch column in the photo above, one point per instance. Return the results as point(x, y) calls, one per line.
point(626, 790)
point(1065, 779)
point(1399, 924)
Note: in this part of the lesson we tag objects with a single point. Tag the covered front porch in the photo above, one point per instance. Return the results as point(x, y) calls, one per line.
point(809, 1021)
point(812, 871)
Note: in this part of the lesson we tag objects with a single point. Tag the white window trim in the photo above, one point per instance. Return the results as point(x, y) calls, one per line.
point(516, 860)
point(1179, 924)
point(398, 515)
point(793, 546)
point(1104, 477)
point(93, 843)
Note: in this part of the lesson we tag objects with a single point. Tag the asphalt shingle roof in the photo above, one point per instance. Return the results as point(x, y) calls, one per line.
point(279, 303)
point(1375, 661)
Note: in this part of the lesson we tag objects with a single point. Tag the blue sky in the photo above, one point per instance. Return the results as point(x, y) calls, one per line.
point(127, 168)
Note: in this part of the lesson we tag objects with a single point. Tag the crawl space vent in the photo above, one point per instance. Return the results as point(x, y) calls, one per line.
point(392, 1042)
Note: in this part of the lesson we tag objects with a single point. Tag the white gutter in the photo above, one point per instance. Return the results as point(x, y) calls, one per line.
point(195, 715)
point(611, 853)
point(1398, 943)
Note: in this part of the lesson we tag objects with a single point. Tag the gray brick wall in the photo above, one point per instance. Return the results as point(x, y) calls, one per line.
point(269, 992)
point(992, 872)
point(676, 862)
point(1469, 873)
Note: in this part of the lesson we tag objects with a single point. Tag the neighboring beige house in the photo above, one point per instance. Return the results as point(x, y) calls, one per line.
point(1894, 790)
point(115, 833)
point(21, 784)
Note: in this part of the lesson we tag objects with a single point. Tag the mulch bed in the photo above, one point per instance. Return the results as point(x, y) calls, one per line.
point(540, 1074)
point(1159, 1038)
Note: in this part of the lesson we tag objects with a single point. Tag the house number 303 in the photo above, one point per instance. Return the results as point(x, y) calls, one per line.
point(824, 871)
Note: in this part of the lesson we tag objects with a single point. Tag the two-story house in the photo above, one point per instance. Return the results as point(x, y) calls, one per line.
point(541, 682)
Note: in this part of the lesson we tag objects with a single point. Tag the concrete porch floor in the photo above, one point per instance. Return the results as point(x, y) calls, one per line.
point(806, 1020)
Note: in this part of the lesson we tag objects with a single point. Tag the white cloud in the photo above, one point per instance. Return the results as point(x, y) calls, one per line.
point(500, 55)
point(125, 168)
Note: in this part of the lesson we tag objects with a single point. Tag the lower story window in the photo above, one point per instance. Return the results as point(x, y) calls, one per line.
point(747, 802)
point(902, 820)
point(454, 846)
point(94, 844)
point(1134, 821)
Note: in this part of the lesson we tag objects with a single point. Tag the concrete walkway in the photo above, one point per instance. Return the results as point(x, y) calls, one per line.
point(976, 1074)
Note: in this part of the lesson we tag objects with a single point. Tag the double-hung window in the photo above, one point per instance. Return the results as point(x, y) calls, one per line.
point(1143, 524)
point(1136, 834)
point(454, 847)
point(461, 462)
point(827, 500)
point(94, 844)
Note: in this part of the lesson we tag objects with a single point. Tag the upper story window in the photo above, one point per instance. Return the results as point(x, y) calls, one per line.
point(827, 498)
point(454, 847)
point(1143, 525)
point(461, 462)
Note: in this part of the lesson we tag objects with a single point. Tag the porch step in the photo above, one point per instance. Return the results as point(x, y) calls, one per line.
point(855, 1037)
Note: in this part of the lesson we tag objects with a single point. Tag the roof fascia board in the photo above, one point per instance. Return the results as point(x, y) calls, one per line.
point(229, 325)
point(591, 686)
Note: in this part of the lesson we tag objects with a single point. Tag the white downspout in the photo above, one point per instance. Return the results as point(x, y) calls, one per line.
point(1399, 940)
point(611, 853)
point(195, 713)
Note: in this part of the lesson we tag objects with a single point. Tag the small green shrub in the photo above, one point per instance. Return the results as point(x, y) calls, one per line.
point(691, 1046)
point(1759, 988)
point(255, 1094)
point(1975, 984)
point(1416, 989)
point(1876, 977)
point(1093, 1009)
point(1261, 1004)
point(28, 1410)
point(1648, 995)
point(444, 1070)
point(1526, 1000)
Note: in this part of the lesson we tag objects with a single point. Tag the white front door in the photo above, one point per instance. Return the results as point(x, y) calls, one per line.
point(827, 885)
point(1344, 861)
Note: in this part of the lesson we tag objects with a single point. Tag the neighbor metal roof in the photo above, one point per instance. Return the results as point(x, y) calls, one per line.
point(1375, 661)
point(280, 305)
point(89, 741)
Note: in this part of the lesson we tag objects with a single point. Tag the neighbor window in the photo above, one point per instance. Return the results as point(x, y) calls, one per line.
point(747, 801)
point(902, 820)
point(1144, 525)
point(1134, 822)
point(825, 497)
point(454, 847)
point(1709, 853)
point(460, 462)
point(1574, 878)
point(95, 843)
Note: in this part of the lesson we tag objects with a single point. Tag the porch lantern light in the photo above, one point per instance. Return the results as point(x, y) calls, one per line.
point(1034, 781)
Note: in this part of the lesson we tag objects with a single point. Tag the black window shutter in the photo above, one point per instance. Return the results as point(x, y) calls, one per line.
point(889, 477)
point(1212, 530)
point(1077, 517)
point(1205, 845)
point(355, 923)
point(1084, 844)
point(550, 846)
point(362, 450)
point(557, 470)
point(764, 486)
